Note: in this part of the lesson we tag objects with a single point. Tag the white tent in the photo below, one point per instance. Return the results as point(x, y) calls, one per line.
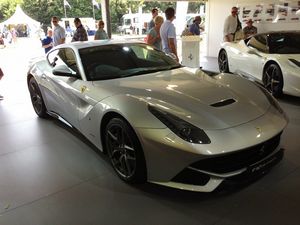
point(19, 17)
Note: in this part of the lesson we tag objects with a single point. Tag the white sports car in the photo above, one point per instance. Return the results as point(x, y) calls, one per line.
point(270, 58)
point(156, 120)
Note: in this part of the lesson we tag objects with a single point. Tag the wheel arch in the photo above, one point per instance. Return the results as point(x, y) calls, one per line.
point(29, 76)
point(105, 120)
point(268, 64)
point(222, 49)
point(228, 66)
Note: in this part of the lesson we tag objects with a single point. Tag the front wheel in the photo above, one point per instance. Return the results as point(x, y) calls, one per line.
point(125, 152)
point(223, 62)
point(37, 99)
point(273, 80)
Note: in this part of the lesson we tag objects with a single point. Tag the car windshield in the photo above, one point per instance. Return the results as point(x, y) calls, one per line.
point(123, 60)
point(284, 43)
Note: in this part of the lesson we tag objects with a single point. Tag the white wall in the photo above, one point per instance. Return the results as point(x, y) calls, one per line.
point(218, 10)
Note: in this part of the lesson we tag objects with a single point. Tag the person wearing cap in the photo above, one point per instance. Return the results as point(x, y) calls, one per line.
point(154, 14)
point(80, 33)
point(195, 27)
point(231, 25)
point(249, 30)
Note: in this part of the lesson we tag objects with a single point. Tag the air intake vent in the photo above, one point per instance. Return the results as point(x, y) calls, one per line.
point(223, 103)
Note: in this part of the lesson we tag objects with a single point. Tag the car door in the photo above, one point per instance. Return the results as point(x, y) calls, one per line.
point(62, 93)
point(255, 56)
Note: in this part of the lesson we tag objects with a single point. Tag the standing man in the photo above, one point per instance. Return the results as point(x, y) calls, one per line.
point(154, 14)
point(80, 33)
point(230, 25)
point(168, 33)
point(249, 29)
point(59, 34)
point(195, 27)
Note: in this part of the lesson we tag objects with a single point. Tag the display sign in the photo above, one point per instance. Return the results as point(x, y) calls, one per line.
point(278, 11)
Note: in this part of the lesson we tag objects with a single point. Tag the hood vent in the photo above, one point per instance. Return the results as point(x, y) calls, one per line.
point(223, 102)
point(295, 62)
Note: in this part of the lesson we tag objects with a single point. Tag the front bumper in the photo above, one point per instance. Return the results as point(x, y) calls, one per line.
point(169, 159)
point(209, 181)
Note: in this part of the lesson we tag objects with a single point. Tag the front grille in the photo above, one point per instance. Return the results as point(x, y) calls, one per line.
point(234, 161)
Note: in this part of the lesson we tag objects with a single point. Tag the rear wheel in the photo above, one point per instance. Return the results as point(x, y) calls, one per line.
point(37, 99)
point(273, 80)
point(223, 62)
point(125, 152)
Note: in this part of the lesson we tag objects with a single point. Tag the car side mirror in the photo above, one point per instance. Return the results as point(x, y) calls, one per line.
point(63, 70)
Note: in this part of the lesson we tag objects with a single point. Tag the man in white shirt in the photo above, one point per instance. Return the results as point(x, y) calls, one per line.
point(230, 25)
point(59, 34)
point(168, 33)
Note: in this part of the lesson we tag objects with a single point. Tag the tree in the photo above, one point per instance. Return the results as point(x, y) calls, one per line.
point(7, 8)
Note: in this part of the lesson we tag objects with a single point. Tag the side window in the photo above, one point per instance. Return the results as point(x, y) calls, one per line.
point(259, 42)
point(63, 56)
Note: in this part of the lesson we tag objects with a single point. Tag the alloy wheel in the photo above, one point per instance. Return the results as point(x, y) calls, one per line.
point(273, 80)
point(223, 62)
point(121, 150)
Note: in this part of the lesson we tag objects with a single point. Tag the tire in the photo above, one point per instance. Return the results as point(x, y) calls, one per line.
point(273, 80)
point(223, 62)
point(125, 152)
point(37, 99)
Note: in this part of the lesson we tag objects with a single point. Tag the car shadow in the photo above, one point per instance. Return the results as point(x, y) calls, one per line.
point(227, 188)
point(293, 100)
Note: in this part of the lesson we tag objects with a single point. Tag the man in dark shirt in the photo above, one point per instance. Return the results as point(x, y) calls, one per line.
point(249, 29)
point(195, 27)
point(80, 33)
point(47, 42)
point(154, 14)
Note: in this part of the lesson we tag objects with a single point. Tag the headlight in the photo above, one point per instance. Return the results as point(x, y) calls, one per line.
point(181, 128)
point(271, 99)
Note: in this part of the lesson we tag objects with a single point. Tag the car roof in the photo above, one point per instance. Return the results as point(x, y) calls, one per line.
point(94, 43)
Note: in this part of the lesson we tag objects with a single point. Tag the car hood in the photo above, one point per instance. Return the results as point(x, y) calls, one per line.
point(216, 102)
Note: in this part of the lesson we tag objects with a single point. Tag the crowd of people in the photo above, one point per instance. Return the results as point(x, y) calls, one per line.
point(161, 33)
point(57, 34)
point(8, 36)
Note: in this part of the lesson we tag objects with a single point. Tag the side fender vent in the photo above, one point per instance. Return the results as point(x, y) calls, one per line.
point(223, 102)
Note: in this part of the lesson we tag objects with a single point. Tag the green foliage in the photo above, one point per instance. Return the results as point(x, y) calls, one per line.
point(43, 10)
point(7, 8)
